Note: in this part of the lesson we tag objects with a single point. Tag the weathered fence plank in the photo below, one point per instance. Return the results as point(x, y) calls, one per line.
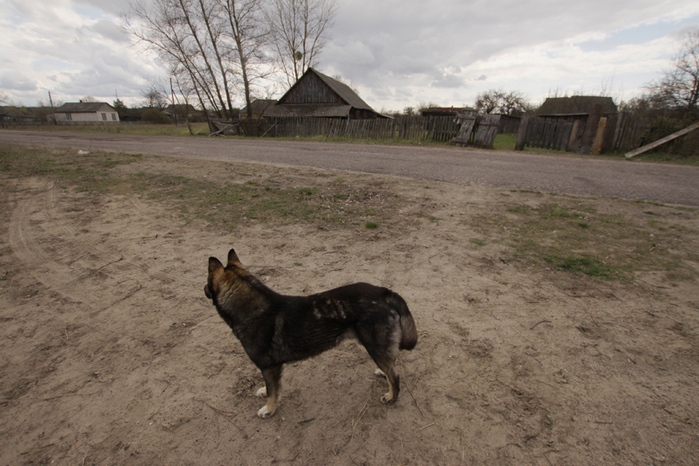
point(487, 128)
point(467, 120)
point(661, 141)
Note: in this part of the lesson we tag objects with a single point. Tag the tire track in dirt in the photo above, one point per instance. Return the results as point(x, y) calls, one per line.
point(50, 243)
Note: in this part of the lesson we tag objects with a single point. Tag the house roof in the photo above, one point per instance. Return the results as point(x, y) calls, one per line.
point(349, 100)
point(576, 105)
point(343, 90)
point(82, 107)
point(15, 112)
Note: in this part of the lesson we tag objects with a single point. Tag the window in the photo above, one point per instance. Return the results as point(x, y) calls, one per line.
point(114, 116)
point(69, 116)
point(104, 117)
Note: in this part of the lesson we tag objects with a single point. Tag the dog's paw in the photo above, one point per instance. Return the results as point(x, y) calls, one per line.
point(263, 413)
point(379, 373)
point(387, 399)
point(261, 393)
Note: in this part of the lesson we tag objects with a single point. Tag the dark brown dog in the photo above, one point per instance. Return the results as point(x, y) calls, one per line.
point(275, 329)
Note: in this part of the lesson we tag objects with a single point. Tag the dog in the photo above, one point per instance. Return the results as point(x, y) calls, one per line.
point(275, 329)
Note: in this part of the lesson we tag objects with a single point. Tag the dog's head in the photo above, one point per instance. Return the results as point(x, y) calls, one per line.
point(220, 277)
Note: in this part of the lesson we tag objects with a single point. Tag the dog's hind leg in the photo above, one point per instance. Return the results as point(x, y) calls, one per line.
point(272, 390)
point(386, 368)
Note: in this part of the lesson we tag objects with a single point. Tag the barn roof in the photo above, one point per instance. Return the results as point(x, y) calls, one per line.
point(259, 105)
point(82, 107)
point(347, 100)
point(576, 105)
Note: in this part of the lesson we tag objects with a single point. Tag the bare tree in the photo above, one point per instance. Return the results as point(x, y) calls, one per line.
point(499, 101)
point(181, 32)
point(155, 95)
point(679, 87)
point(299, 29)
point(248, 35)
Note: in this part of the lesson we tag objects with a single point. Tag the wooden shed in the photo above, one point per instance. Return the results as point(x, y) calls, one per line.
point(594, 120)
point(316, 95)
point(86, 113)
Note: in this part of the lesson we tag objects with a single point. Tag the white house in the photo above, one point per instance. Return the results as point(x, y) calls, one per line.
point(86, 113)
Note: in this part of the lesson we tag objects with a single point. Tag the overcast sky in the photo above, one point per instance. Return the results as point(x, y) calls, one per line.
point(396, 53)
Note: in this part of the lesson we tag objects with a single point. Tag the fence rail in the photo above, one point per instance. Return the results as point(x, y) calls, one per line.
point(441, 129)
point(622, 132)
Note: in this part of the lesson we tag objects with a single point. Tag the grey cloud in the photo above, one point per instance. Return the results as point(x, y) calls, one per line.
point(448, 81)
point(12, 81)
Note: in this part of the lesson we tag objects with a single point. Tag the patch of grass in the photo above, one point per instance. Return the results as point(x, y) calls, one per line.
point(505, 142)
point(570, 236)
point(371, 225)
point(222, 205)
point(141, 129)
point(587, 265)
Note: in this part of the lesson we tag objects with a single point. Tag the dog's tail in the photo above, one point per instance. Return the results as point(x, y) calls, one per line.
point(408, 338)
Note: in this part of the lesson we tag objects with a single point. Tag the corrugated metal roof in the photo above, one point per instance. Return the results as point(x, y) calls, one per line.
point(82, 107)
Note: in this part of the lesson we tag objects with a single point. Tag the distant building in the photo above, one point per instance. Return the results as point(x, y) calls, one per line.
point(16, 115)
point(86, 113)
point(445, 111)
point(576, 106)
point(316, 95)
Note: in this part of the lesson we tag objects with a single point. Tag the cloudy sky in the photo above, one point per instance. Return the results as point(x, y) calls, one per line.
point(396, 53)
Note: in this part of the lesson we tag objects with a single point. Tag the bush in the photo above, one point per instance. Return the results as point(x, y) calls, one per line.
point(153, 115)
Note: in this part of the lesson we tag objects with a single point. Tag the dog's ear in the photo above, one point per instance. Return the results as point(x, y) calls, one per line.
point(233, 259)
point(215, 274)
point(215, 265)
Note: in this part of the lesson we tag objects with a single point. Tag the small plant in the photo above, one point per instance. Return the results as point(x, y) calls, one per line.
point(371, 225)
point(587, 265)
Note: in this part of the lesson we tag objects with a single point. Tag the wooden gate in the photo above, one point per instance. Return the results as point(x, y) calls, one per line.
point(544, 133)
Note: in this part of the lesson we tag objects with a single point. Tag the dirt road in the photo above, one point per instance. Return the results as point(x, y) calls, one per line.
point(569, 174)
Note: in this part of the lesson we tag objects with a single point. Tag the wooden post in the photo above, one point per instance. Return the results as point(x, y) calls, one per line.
point(662, 141)
point(597, 145)
point(588, 138)
point(573, 136)
point(522, 133)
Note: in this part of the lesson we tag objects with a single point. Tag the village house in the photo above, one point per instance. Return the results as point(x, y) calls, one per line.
point(86, 113)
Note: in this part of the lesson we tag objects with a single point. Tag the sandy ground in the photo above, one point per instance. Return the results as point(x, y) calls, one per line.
point(111, 354)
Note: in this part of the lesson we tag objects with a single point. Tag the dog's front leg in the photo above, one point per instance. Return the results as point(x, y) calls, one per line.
point(272, 389)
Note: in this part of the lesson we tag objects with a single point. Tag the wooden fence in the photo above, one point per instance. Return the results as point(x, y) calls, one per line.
point(613, 133)
point(416, 128)
point(548, 134)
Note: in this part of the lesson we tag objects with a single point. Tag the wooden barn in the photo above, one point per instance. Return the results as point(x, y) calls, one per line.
point(86, 113)
point(316, 95)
